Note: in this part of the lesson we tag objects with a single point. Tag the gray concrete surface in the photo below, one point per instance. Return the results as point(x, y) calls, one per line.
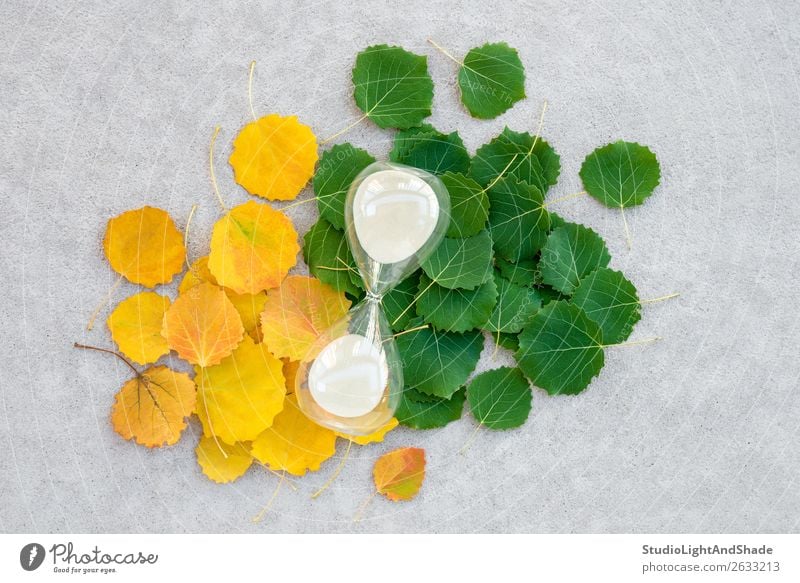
point(110, 105)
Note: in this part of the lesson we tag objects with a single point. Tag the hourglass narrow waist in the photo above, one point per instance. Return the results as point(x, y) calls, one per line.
point(373, 297)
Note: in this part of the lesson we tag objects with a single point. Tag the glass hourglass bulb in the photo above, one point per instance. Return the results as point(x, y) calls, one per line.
point(351, 379)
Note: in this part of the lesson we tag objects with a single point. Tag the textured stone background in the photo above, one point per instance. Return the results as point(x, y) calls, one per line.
point(110, 105)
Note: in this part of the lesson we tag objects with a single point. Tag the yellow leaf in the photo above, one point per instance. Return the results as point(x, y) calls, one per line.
point(252, 248)
point(198, 273)
point(152, 407)
point(202, 325)
point(249, 306)
point(274, 157)
point(294, 443)
point(290, 368)
point(221, 462)
point(373, 437)
point(239, 398)
point(135, 326)
point(398, 474)
point(145, 246)
point(297, 313)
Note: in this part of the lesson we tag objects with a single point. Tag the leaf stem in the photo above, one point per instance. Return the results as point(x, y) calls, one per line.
point(565, 197)
point(419, 294)
point(470, 439)
point(109, 351)
point(336, 472)
point(660, 299)
point(343, 131)
point(200, 389)
point(345, 268)
point(627, 230)
point(250, 90)
point(280, 475)
point(258, 517)
point(211, 167)
point(186, 236)
point(350, 268)
point(363, 507)
point(296, 203)
point(533, 145)
point(411, 330)
point(103, 302)
point(633, 342)
point(499, 176)
point(496, 344)
point(539, 129)
point(445, 52)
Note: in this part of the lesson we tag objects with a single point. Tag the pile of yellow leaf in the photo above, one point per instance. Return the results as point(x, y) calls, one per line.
point(238, 318)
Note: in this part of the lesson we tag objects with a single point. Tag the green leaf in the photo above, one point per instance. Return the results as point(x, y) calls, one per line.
point(556, 221)
point(523, 272)
point(430, 412)
point(571, 252)
point(518, 221)
point(461, 263)
point(405, 139)
point(621, 174)
point(336, 171)
point(455, 310)
point(506, 340)
point(469, 205)
point(392, 86)
point(438, 363)
point(515, 305)
point(561, 349)
point(548, 294)
point(399, 301)
point(329, 259)
point(521, 155)
point(611, 300)
point(354, 299)
point(491, 79)
point(500, 398)
point(549, 159)
point(417, 397)
point(435, 152)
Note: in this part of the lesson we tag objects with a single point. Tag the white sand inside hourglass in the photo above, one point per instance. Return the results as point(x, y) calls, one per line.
point(394, 213)
point(348, 378)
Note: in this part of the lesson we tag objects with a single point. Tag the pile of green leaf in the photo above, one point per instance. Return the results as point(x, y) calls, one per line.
point(539, 285)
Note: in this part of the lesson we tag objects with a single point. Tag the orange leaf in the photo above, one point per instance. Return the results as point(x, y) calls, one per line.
point(152, 407)
point(297, 313)
point(249, 306)
point(399, 473)
point(135, 326)
point(294, 443)
point(252, 248)
point(145, 246)
point(274, 157)
point(202, 325)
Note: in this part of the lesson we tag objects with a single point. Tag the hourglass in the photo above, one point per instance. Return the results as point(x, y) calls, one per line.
point(351, 380)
